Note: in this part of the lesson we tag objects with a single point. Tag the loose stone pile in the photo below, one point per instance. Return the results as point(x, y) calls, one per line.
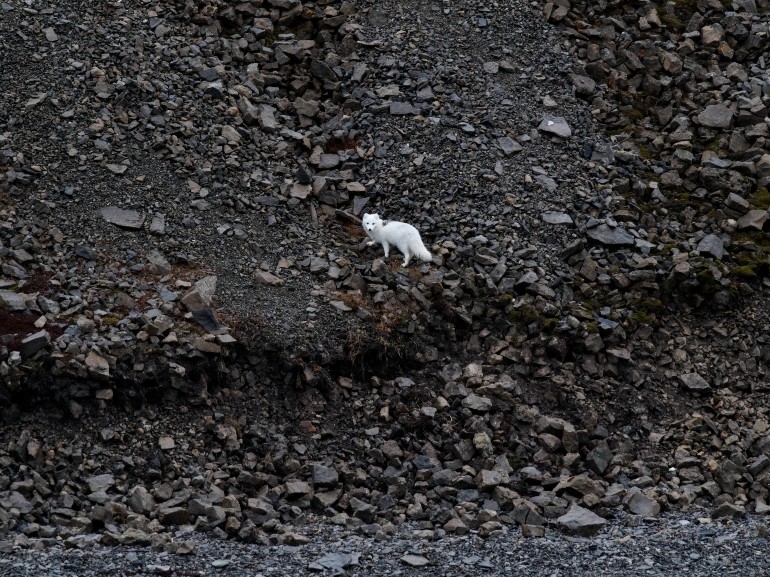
point(185, 280)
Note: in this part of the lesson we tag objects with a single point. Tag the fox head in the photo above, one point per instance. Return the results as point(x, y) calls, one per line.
point(371, 221)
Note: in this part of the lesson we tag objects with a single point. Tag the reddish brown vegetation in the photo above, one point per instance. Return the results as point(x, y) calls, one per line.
point(16, 326)
point(337, 144)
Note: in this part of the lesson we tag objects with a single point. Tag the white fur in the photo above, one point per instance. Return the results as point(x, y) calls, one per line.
point(399, 234)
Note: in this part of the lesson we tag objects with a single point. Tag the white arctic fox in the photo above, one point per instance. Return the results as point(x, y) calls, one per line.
point(400, 234)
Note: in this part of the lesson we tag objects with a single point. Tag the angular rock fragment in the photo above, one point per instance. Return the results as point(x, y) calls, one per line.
point(713, 245)
point(581, 521)
point(556, 125)
point(124, 218)
point(694, 382)
point(717, 116)
point(610, 236)
point(34, 343)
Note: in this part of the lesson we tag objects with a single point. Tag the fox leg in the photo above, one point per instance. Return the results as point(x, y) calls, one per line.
point(386, 248)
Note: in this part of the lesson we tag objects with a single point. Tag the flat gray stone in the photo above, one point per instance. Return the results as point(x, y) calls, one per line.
point(556, 217)
point(230, 133)
point(174, 516)
point(324, 476)
point(13, 301)
point(100, 482)
point(328, 161)
point(34, 342)
point(415, 560)
point(201, 294)
point(736, 202)
point(717, 116)
point(267, 278)
point(694, 382)
point(640, 504)
point(599, 459)
point(158, 225)
point(15, 500)
point(322, 71)
point(402, 109)
point(296, 489)
point(509, 145)
point(141, 501)
point(477, 403)
point(753, 219)
point(610, 236)
point(556, 125)
point(129, 219)
point(336, 562)
point(580, 521)
point(266, 118)
point(713, 245)
point(712, 34)
point(763, 166)
point(584, 85)
point(547, 182)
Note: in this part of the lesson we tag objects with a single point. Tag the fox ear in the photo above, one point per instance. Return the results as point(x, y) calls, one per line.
point(375, 215)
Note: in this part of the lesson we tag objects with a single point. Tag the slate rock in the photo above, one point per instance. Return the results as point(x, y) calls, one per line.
point(402, 109)
point(556, 125)
point(415, 560)
point(694, 382)
point(174, 516)
point(508, 145)
point(297, 489)
point(728, 510)
point(640, 504)
point(753, 219)
point(717, 116)
point(141, 501)
point(555, 217)
point(581, 521)
point(322, 71)
point(99, 483)
point(34, 343)
point(267, 278)
point(477, 403)
point(266, 118)
point(13, 301)
point(599, 458)
point(610, 236)
point(84, 252)
point(713, 245)
point(123, 218)
point(335, 562)
point(585, 86)
point(201, 294)
point(324, 476)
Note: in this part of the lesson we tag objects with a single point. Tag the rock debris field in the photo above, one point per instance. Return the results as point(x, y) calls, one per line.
point(204, 369)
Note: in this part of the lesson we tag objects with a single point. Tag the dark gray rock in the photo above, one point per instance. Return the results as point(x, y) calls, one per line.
point(717, 116)
point(124, 218)
point(580, 521)
point(610, 236)
point(34, 343)
point(324, 477)
point(556, 125)
point(508, 145)
point(694, 382)
point(713, 245)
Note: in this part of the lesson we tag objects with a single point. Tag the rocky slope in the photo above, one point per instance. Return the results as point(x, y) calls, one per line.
point(195, 334)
